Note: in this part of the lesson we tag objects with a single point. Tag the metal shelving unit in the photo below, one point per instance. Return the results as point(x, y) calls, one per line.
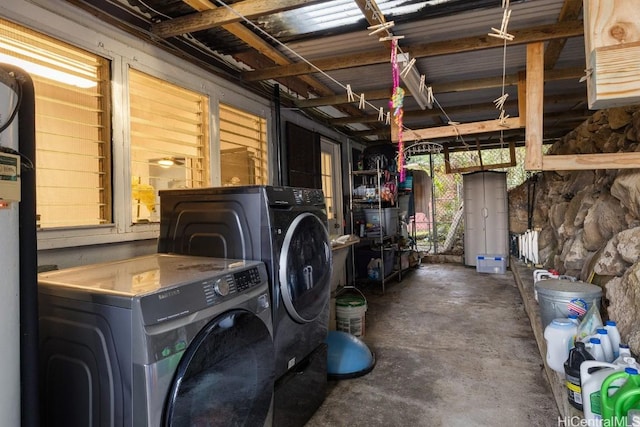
point(372, 180)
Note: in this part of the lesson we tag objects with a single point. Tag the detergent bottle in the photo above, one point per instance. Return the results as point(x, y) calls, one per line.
point(559, 335)
point(577, 355)
point(614, 336)
point(624, 351)
point(574, 318)
point(606, 344)
point(592, 374)
point(594, 346)
point(625, 397)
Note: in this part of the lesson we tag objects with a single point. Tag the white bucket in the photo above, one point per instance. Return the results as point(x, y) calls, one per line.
point(350, 314)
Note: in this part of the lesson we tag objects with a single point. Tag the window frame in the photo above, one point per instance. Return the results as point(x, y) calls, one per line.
point(75, 27)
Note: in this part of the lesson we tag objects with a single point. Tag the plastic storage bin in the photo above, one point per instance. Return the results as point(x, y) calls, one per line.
point(364, 255)
point(389, 223)
point(487, 263)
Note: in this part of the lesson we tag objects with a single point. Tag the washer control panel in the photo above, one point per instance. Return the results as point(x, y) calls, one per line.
point(182, 300)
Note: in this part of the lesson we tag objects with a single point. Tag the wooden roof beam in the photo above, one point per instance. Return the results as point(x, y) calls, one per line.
point(220, 16)
point(466, 44)
point(459, 86)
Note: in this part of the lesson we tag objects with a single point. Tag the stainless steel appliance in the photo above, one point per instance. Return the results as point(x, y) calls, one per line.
point(158, 340)
point(286, 228)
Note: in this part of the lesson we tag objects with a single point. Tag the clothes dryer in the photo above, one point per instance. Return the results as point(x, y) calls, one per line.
point(284, 227)
point(159, 340)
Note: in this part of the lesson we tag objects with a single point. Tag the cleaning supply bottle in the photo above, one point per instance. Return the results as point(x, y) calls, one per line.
point(577, 355)
point(559, 335)
point(592, 375)
point(606, 344)
point(616, 404)
point(574, 318)
point(614, 336)
point(594, 346)
point(624, 351)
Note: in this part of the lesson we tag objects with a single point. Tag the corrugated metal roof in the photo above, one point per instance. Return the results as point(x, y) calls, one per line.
point(337, 28)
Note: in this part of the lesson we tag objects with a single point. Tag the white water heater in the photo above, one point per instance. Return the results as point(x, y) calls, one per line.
point(9, 254)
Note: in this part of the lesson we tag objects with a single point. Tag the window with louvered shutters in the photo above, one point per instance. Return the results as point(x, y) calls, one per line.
point(169, 141)
point(73, 126)
point(243, 147)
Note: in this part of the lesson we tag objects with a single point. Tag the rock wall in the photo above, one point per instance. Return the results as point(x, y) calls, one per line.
point(589, 221)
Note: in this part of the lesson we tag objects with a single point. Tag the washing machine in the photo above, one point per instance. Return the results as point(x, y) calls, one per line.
point(286, 228)
point(158, 340)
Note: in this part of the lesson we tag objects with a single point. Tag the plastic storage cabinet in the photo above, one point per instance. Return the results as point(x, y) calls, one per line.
point(486, 218)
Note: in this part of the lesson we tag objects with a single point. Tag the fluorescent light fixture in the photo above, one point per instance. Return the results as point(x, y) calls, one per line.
point(411, 79)
point(47, 72)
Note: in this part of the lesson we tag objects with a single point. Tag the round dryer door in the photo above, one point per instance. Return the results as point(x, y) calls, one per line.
point(305, 268)
point(225, 377)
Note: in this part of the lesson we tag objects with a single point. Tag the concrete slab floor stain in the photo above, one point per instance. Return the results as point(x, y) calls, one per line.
point(453, 348)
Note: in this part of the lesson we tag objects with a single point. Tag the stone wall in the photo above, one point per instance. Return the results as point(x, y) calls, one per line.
point(589, 221)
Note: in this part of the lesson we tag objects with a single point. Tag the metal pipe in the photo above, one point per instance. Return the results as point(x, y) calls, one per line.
point(434, 228)
point(29, 362)
point(278, 135)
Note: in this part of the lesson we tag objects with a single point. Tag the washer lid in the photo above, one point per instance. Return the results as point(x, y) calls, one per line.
point(144, 274)
point(305, 268)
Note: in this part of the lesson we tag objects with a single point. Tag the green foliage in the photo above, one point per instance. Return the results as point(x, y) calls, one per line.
point(447, 188)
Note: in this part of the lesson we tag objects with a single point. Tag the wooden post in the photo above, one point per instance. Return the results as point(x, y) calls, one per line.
point(612, 50)
point(535, 100)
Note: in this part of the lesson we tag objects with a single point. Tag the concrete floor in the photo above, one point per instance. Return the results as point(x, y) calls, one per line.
point(453, 348)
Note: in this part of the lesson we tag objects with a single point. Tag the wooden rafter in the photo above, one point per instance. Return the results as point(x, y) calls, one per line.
point(217, 17)
point(467, 44)
point(265, 49)
point(459, 86)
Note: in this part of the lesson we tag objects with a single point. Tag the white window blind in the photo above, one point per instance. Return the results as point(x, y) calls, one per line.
point(169, 135)
point(243, 147)
point(73, 129)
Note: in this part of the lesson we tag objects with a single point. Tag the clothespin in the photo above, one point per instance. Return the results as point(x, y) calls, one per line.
point(499, 102)
point(350, 97)
point(362, 103)
point(368, 5)
point(380, 27)
point(587, 74)
point(377, 16)
point(381, 115)
point(388, 119)
point(422, 84)
point(505, 4)
point(430, 97)
point(390, 37)
point(503, 118)
point(407, 68)
point(502, 32)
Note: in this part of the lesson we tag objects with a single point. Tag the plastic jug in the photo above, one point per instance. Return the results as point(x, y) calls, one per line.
point(607, 348)
point(574, 318)
point(594, 346)
point(625, 351)
point(559, 335)
point(627, 396)
point(592, 374)
point(614, 336)
point(577, 355)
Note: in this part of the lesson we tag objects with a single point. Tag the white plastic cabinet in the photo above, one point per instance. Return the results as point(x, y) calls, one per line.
point(486, 217)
